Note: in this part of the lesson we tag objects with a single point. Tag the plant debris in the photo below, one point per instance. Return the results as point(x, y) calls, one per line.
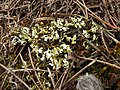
point(48, 44)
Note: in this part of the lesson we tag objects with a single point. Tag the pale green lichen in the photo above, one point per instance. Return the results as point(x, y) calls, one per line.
point(48, 41)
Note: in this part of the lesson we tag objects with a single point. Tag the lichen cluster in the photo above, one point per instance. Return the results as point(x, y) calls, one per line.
point(52, 41)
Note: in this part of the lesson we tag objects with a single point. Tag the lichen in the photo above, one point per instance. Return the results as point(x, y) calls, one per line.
point(52, 41)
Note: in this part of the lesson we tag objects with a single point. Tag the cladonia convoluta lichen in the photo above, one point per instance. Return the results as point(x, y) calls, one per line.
point(52, 41)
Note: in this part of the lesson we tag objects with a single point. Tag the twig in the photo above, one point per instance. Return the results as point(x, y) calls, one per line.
point(65, 72)
point(24, 63)
point(51, 77)
point(34, 67)
point(95, 47)
point(43, 18)
point(15, 76)
point(58, 81)
point(86, 13)
point(14, 62)
point(31, 69)
point(4, 81)
point(78, 2)
point(104, 42)
point(78, 73)
point(68, 72)
point(100, 61)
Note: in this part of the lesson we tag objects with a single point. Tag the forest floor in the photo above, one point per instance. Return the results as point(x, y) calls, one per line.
point(86, 39)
